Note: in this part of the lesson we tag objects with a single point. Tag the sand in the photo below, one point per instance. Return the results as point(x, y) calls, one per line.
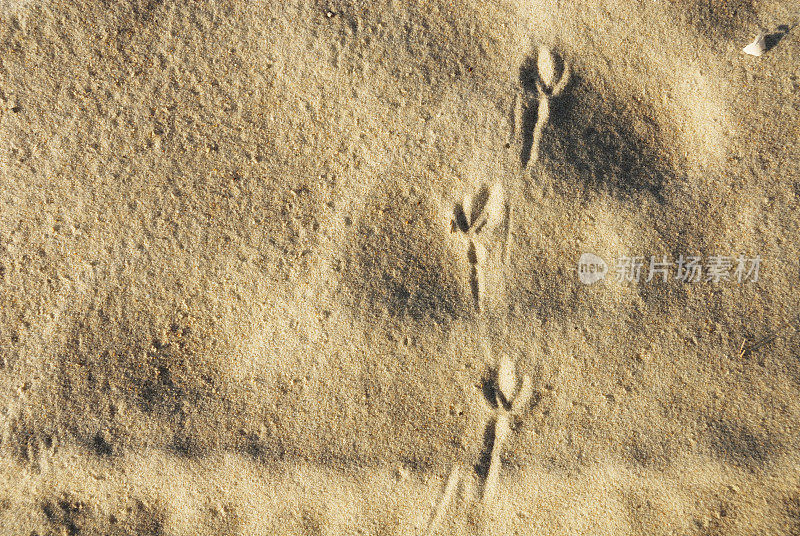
point(234, 299)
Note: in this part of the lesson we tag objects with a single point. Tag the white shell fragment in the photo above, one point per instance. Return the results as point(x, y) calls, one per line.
point(758, 46)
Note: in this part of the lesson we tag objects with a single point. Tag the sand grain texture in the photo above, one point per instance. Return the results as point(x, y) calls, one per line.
point(233, 301)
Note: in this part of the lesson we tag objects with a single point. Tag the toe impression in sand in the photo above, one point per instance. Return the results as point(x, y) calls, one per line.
point(552, 77)
point(511, 398)
point(474, 216)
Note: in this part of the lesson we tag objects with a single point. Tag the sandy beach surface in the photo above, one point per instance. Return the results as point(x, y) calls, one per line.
point(312, 267)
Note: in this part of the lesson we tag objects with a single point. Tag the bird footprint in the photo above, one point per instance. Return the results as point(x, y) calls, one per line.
point(544, 81)
point(475, 217)
point(511, 398)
